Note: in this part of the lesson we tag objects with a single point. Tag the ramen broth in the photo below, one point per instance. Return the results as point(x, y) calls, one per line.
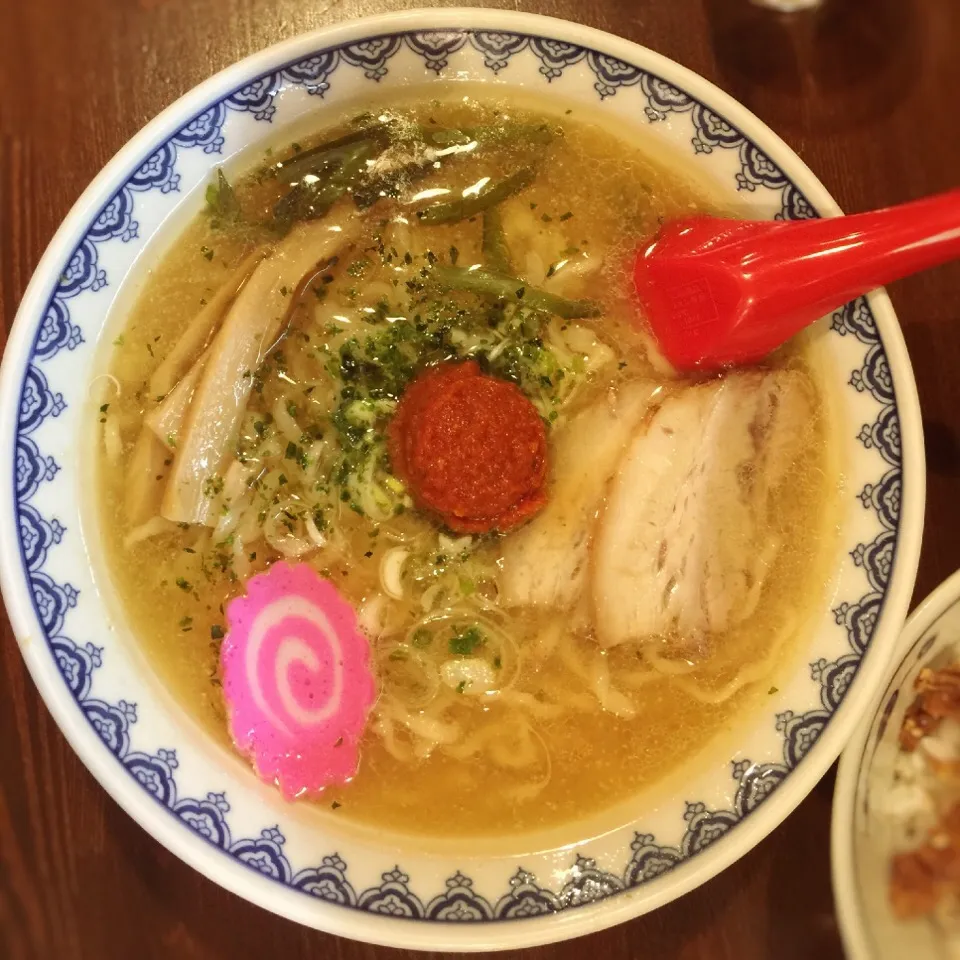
point(493, 714)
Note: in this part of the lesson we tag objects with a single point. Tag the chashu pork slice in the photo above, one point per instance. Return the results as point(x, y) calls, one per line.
point(688, 534)
point(545, 562)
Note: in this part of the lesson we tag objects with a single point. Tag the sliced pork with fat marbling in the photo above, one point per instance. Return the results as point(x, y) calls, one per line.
point(689, 533)
point(545, 563)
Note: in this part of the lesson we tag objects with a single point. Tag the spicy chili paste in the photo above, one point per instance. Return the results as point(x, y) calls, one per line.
point(471, 448)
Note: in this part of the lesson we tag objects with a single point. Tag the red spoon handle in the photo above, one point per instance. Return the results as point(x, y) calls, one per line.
point(825, 263)
point(718, 292)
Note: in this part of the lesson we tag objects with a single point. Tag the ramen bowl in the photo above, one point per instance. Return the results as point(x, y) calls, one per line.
point(188, 789)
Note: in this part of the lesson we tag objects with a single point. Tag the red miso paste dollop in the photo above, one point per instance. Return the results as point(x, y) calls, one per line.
point(471, 448)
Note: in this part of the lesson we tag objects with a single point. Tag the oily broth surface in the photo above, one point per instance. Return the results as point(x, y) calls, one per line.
point(589, 759)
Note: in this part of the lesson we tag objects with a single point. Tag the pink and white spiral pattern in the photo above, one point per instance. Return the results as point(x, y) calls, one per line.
point(296, 678)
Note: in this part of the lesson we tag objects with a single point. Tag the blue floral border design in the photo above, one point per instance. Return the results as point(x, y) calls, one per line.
point(156, 773)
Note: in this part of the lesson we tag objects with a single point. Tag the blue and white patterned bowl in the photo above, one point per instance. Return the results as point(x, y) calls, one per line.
point(867, 828)
point(199, 800)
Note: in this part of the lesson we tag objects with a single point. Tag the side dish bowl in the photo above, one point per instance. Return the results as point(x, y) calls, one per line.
point(199, 800)
point(865, 833)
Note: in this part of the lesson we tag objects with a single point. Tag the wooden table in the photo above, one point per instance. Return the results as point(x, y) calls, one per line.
point(865, 91)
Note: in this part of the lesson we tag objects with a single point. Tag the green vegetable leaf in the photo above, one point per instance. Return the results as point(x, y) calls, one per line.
point(492, 284)
point(421, 637)
point(466, 643)
point(222, 203)
point(488, 196)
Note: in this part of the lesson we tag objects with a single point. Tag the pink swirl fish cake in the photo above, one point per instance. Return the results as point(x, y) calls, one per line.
point(297, 680)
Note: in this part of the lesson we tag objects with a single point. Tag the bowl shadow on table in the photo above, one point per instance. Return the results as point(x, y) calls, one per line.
point(774, 902)
point(833, 69)
point(935, 351)
point(800, 906)
point(943, 448)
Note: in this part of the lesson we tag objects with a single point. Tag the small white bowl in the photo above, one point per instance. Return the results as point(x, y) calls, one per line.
point(863, 839)
point(197, 798)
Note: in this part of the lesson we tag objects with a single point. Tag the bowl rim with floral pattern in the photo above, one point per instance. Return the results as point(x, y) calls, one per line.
point(201, 802)
point(868, 926)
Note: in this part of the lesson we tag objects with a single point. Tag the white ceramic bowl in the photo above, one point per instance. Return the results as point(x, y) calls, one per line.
point(201, 801)
point(864, 837)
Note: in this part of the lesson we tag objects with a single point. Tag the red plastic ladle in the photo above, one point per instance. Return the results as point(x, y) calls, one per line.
point(718, 292)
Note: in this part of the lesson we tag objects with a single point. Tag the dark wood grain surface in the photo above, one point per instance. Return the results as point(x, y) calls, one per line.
point(866, 91)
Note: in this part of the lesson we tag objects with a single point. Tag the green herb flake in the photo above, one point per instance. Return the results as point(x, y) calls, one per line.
point(186, 624)
point(466, 643)
point(358, 267)
point(421, 638)
point(222, 202)
point(213, 486)
point(184, 585)
point(207, 252)
point(216, 632)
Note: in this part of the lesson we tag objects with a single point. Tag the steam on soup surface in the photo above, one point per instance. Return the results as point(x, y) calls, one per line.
point(536, 658)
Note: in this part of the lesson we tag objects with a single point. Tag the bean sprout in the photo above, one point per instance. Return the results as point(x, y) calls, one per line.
point(391, 571)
